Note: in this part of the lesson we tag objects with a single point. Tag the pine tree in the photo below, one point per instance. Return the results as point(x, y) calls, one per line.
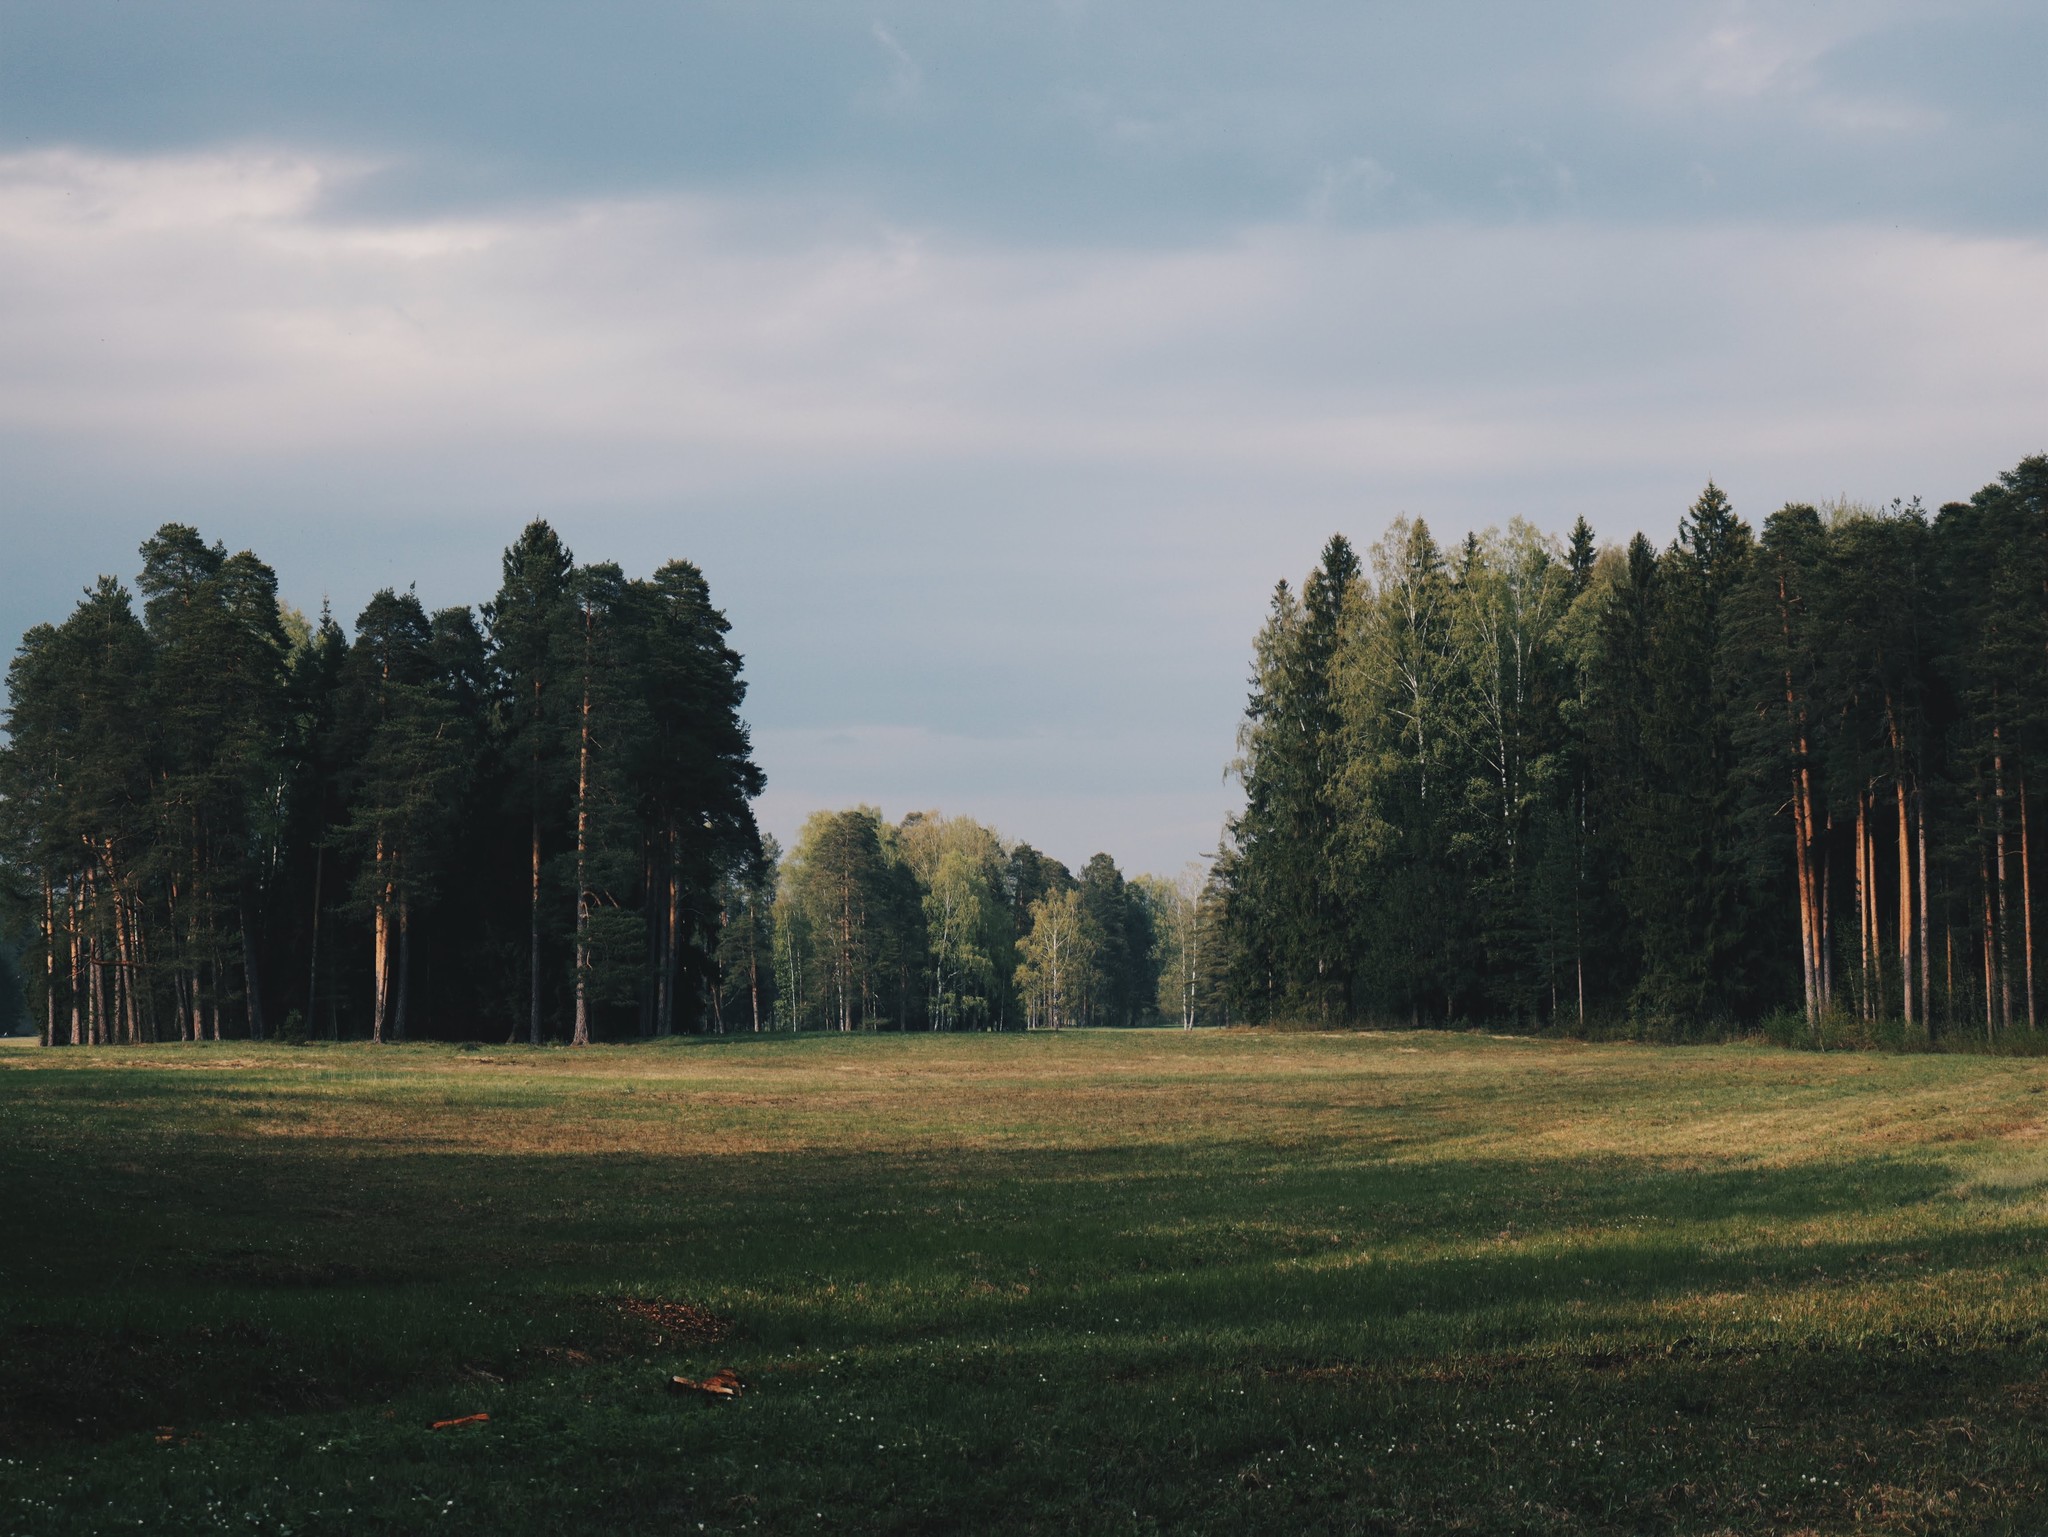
point(531, 643)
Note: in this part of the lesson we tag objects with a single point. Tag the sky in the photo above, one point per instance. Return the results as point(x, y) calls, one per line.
point(994, 360)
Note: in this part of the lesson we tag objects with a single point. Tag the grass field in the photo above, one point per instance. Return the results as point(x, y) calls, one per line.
point(1094, 1282)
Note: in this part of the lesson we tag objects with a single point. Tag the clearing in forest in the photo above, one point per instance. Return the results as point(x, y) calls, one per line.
point(1098, 1281)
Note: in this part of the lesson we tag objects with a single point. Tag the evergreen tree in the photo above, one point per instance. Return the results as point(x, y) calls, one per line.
point(528, 624)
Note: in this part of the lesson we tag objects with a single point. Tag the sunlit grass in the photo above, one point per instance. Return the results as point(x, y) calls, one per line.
point(1098, 1281)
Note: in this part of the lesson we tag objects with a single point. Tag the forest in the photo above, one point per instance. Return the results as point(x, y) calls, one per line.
point(1780, 776)
point(1777, 778)
point(531, 820)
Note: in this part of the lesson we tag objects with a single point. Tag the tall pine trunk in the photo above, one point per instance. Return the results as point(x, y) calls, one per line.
point(313, 948)
point(1905, 904)
point(380, 948)
point(533, 921)
point(2026, 898)
point(2004, 900)
point(1990, 957)
point(95, 918)
point(672, 957)
point(398, 1023)
point(1867, 1005)
point(1926, 977)
point(72, 959)
point(252, 973)
point(582, 1036)
point(1827, 918)
point(1809, 908)
point(49, 962)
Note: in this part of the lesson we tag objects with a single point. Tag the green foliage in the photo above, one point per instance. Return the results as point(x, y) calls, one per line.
point(219, 801)
point(1059, 970)
point(1658, 792)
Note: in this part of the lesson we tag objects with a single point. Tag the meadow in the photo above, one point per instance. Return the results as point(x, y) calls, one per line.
point(1091, 1282)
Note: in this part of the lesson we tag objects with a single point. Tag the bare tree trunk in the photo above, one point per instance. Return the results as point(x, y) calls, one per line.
point(582, 1036)
point(662, 931)
point(754, 957)
point(380, 948)
point(1863, 911)
point(95, 968)
point(672, 958)
point(49, 962)
point(1827, 919)
point(125, 1011)
point(313, 956)
point(2004, 901)
point(1990, 961)
point(2027, 898)
point(1905, 904)
point(398, 1025)
point(1802, 818)
point(1809, 938)
point(78, 1035)
point(1926, 978)
point(533, 921)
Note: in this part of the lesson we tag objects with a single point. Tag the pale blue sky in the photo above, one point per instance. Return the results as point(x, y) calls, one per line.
point(993, 359)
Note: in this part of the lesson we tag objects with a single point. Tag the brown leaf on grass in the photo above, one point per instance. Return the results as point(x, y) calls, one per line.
point(723, 1384)
point(460, 1419)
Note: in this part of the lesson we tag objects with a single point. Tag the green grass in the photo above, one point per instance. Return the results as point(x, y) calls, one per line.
point(1094, 1282)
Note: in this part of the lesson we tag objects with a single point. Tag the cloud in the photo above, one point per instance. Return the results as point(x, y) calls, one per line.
point(1025, 494)
point(213, 306)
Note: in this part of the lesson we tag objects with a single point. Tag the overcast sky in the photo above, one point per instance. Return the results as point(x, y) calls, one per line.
point(993, 360)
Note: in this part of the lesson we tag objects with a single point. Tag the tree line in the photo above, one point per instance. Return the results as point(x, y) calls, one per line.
point(1780, 773)
point(939, 923)
point(218, 818)
point(530, 820)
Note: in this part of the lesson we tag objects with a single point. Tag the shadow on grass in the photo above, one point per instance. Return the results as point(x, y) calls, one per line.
point(282, 1277)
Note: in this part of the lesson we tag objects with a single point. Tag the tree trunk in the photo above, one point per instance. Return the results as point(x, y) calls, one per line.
point(582, 1036)
point(662, 929)
point(96, 971)
point(380, 948)
point(1863, 911)
point(49, 962)
point(1948, 976)
point(1829, 843)
point(252, 974)
point(672, 957)
point(398, 1023)
point(2004, 901)
point(1926, 977)
point(1905, 904)
point(1990, 963)
point(77, 977)
point(1809, 937)
point(754, 957)
point(533, 921)
point(128, 1016)
point(2026, 898)
point(313, 949)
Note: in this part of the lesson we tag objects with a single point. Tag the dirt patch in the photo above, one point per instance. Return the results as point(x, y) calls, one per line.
point(674, 1323)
